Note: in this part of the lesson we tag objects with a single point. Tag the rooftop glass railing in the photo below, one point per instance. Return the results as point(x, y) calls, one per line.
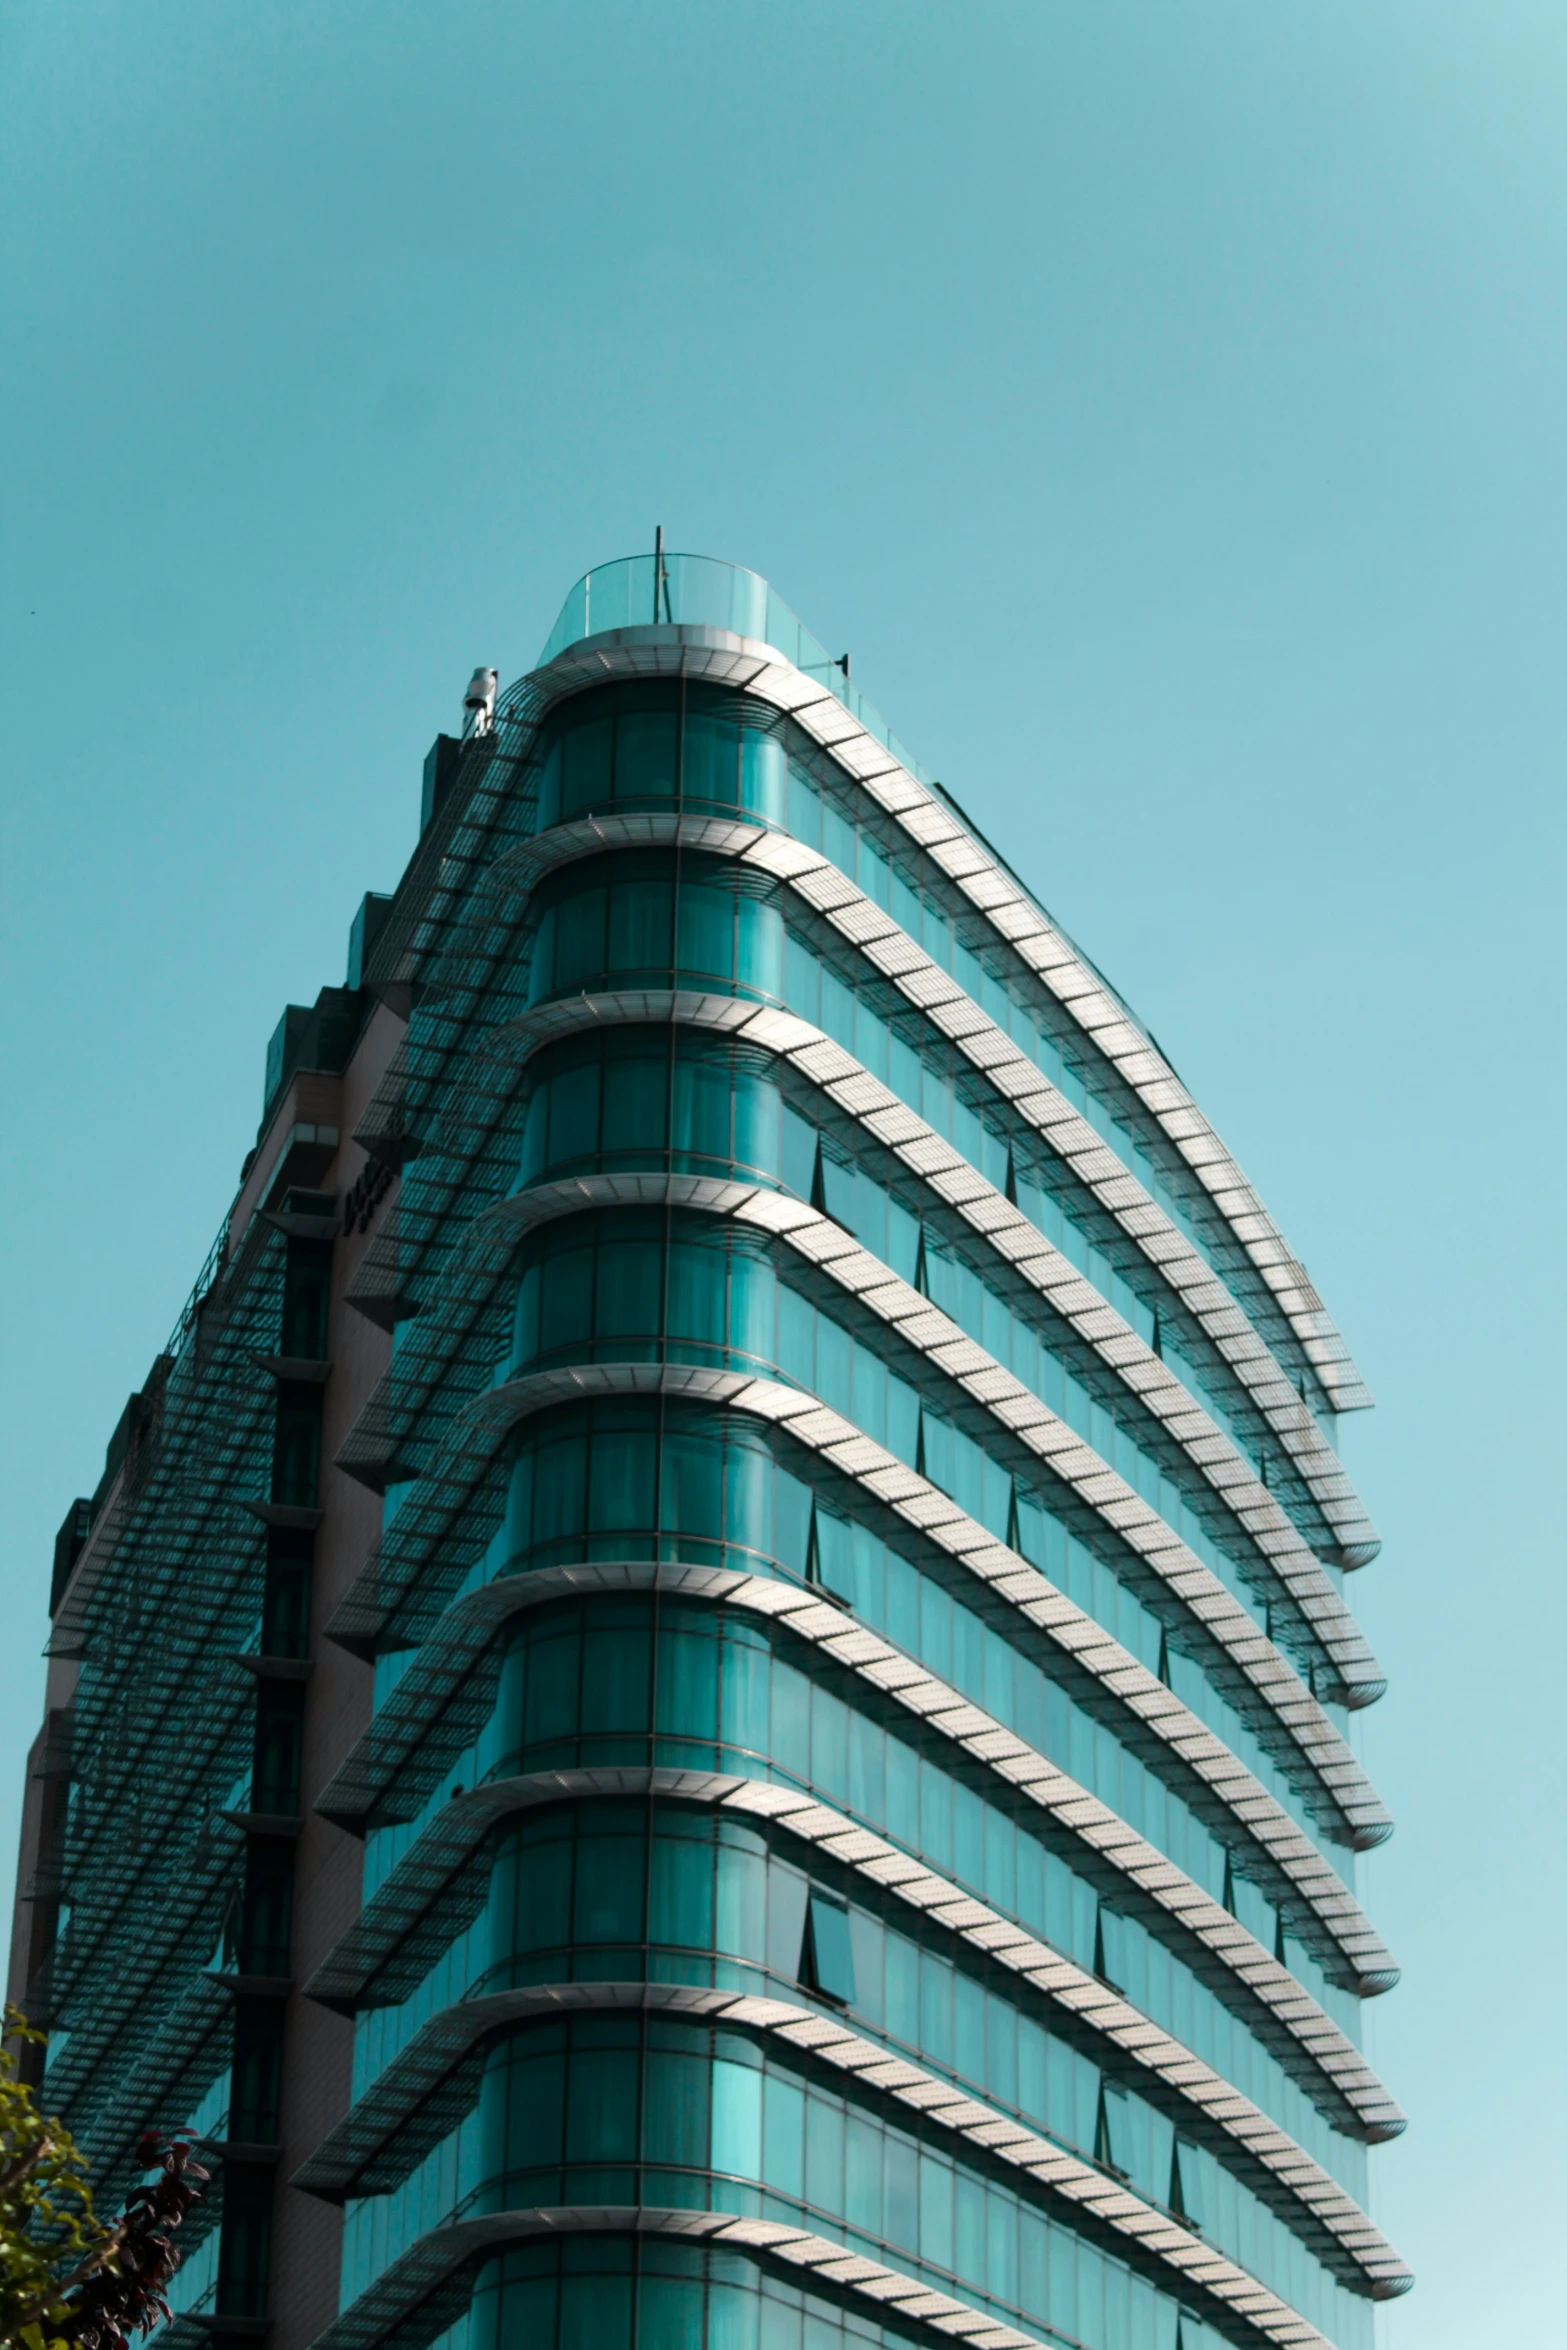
point(702, 591)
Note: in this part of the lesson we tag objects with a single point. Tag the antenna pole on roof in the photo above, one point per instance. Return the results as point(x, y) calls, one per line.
point(662, 608)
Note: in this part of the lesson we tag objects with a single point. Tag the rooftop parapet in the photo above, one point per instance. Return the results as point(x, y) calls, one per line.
point(701, 591)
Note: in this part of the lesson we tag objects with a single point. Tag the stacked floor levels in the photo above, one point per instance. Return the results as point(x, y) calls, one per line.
point(705, 1703)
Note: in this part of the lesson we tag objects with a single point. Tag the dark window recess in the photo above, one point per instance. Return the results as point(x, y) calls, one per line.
point(826, 1953)
point(312, 1036)
point(69, 1544)
point(245, 2248)
point(1110, 1948)
point(310, 1203)
point(307, 1291)
point(818, 1192)
point(365, 1194)
point(266, 1910)
point(135, 1433)
point(364, 931)
point(836, 1192)
point(285, 1604)
point(935, 1450)
point(296, 1450)
point(441, 762)
point(1112, 2147)
point(825, 1528)
point(257, 2078)
point(274, 1776)
point(786, 1903)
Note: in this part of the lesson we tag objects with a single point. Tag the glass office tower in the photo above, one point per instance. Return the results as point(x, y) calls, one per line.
point(857, 1812)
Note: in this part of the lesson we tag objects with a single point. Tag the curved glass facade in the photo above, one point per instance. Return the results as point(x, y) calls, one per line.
point(615, 2025)
point(649, 1285)
point(642, 1480)
point(634, 1682)
point(676, 2112)
point(661, 748)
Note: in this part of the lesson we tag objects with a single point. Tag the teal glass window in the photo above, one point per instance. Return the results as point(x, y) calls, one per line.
point(595, 1288)
point(645, 1097)
point(657, 742)
point(727, 1907)
point(611, 921)
point(731, 1118)
point(827, 1960)
point(296, 1458)
point(625, 1480)
point(647, 918)
point(665, 2111)
point(576, 2295)
point(1186, 2195)
point(591, 1688)
point(307, 1284)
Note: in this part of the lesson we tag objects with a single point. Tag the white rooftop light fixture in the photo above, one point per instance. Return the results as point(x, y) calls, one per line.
point(479, 703)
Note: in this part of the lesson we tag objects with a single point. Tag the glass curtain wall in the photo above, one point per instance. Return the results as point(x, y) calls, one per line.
point(589, 1952)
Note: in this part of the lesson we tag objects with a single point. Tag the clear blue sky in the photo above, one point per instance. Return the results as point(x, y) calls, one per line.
point(1163, 402)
